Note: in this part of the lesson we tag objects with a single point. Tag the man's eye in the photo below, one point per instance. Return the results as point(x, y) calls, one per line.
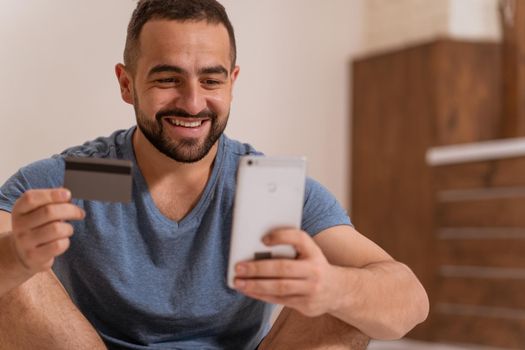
point(211, 82)
point(167, 81)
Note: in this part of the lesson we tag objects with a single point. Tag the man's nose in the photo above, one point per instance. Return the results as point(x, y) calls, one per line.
point(191, 99)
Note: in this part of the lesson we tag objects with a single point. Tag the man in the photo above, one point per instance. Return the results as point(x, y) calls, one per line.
point(151, 273)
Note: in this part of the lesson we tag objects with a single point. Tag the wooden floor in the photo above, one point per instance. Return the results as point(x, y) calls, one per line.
point(417, 345)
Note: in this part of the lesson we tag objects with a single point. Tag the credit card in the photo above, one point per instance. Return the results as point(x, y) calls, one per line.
point(97, 179)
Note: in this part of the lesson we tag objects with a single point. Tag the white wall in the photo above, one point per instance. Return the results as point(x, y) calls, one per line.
point(58, 88)
point(393, 24)
point(390, 25)
point(475, 20)
point(293, 93)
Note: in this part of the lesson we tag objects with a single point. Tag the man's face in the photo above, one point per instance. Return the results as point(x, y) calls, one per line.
point(182, 86)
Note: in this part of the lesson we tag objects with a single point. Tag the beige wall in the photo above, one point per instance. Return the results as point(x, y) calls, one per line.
point(293, 92)
point(58, 88)
point(57, 85)
point(390, 25)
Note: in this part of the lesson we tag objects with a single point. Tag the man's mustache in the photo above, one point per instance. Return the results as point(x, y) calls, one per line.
point(177, 112)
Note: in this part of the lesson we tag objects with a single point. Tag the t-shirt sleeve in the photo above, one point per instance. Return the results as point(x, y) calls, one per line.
point(47, 173)
point(321, 209)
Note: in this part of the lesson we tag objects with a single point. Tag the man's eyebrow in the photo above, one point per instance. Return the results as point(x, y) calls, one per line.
point(162, 68)
point(214, 70)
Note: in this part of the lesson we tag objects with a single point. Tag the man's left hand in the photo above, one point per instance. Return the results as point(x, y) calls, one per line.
point(308, 284)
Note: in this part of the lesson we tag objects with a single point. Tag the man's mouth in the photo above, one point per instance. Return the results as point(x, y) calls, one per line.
point(185, 123)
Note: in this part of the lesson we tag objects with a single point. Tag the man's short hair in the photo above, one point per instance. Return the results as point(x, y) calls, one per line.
point(210, 11)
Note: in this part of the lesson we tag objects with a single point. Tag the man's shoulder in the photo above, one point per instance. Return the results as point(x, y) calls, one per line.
point(49, 172)
point(238, 148)
point(116, 145)
point(227, 161)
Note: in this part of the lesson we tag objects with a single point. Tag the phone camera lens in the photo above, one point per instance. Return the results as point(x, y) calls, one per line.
point(250, 162)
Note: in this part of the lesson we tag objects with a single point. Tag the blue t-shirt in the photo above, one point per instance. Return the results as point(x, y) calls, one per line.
point(147, 282)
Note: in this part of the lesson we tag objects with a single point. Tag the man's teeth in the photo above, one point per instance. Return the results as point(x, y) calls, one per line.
point(185, 124)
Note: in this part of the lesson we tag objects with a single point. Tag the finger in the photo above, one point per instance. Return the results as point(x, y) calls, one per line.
point(39, 257)
point(47, 214)
point(34, 199)
point(279, 268)
point(273, 287)
point(300, 240)
point(45, 234)
point(290, 301)
point(298, 303)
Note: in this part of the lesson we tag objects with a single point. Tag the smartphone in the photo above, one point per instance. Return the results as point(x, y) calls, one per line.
point(269, 195)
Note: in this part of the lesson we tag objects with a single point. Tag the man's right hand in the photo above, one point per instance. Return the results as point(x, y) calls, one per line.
point(39, 231)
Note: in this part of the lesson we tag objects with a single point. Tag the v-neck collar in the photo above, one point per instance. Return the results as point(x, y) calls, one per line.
point(141, 184)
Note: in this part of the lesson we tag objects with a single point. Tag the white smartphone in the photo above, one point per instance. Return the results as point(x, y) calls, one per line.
point(269, 195)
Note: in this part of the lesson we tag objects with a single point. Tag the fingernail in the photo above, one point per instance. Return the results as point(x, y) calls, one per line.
point(266, 239)
point(241, 268)
point(240, 284)
point(65, 194)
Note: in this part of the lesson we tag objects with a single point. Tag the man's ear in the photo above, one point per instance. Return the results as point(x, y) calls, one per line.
point(126, 83)
point(234, 74)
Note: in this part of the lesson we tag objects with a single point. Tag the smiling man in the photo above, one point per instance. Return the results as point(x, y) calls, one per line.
point(151, 274)
point(189, 63)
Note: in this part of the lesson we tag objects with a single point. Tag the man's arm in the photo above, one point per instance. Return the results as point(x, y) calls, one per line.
point(35, 310)
point(385, 298)
point(11, 273)
point(340, 273)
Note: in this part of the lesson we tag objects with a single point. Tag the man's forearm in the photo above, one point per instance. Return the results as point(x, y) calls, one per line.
point(11, 272)
point(385, 300)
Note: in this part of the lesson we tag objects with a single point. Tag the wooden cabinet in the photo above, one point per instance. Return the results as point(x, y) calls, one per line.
point(479, 234)
point(404, 103)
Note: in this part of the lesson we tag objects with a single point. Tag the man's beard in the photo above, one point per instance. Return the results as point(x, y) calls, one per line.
point(186, 150)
